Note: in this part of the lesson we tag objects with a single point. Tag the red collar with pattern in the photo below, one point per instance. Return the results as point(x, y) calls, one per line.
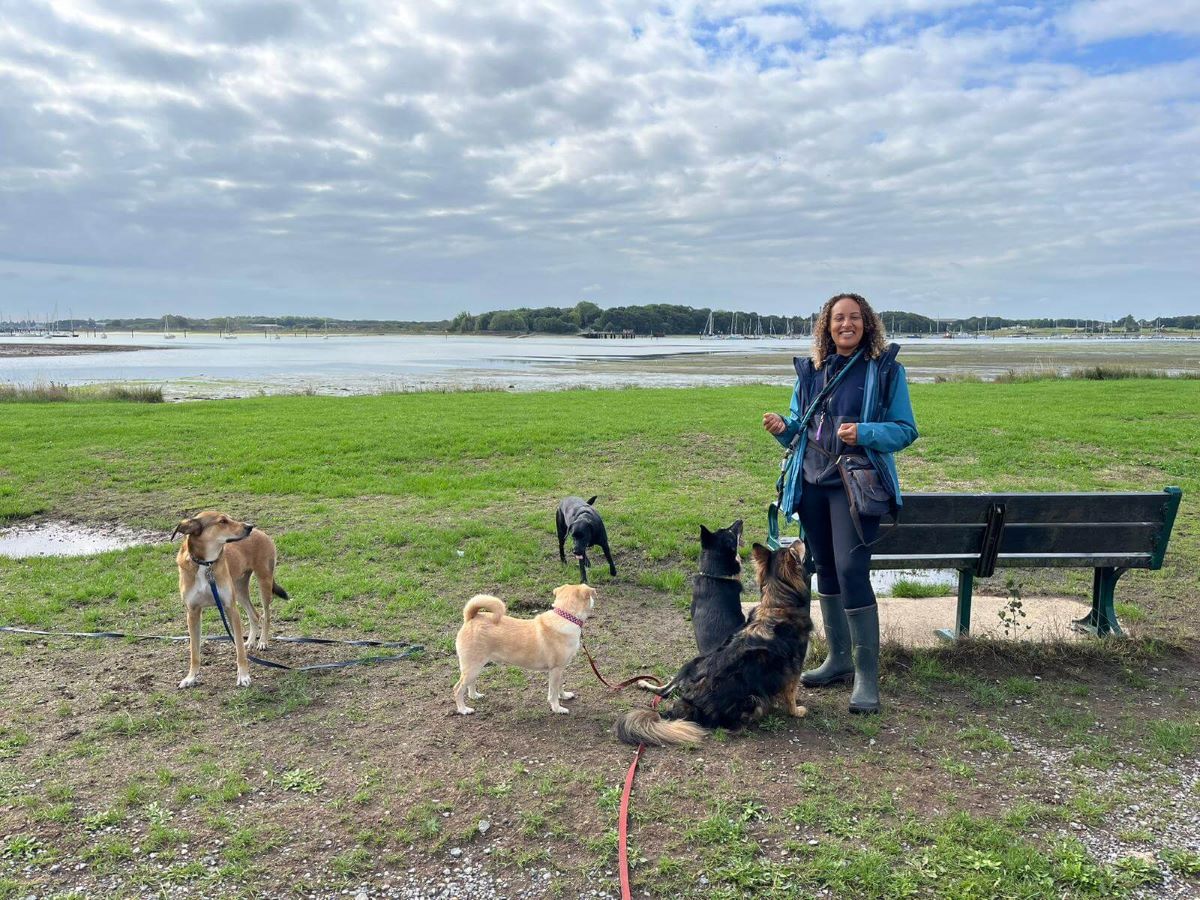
point(575, 620)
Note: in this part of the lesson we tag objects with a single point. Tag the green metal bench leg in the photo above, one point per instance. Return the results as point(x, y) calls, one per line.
point(962, 624)
point(1102, 620)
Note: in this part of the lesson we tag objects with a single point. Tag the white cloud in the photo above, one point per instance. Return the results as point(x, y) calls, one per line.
point(416, 159)
point(1101, 20)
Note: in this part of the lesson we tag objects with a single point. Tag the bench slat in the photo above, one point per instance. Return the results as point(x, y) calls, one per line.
point(1014, 561)
point(971, 509)
point(1022, 539)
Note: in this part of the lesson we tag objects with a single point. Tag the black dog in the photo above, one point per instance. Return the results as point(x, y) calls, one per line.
point(759, 667)
point(717, 588)
point(579, 519)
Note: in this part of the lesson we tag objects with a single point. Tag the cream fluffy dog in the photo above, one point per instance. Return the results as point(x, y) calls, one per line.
point(546, 643)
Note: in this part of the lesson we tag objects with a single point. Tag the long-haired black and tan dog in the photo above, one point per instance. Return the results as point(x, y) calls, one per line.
point(757, 668)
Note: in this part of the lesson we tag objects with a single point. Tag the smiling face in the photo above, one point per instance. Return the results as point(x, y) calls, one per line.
point(846, 325)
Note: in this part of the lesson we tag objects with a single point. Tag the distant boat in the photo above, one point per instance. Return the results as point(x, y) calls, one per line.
point(709, 331)
point(166, 331)
point(733, 332)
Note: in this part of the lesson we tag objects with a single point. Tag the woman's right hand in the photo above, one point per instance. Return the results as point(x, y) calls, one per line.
point(774, 423)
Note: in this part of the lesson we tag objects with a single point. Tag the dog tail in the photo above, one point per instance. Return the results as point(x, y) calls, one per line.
point(278, 591)
point(646, 726)
point(486, 603)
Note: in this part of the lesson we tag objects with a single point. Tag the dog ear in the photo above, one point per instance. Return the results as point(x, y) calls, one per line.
point(592, 502)
point(705, 536)
point(736, 528)
point(187, 526)
point(762, 561)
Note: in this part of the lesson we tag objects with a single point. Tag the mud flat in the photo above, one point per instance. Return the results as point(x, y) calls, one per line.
point(27, 350)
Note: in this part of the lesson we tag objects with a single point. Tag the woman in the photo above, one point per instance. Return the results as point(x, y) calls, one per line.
point(866, 412)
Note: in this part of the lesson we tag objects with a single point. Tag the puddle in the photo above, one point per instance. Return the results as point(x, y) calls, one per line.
point(67, 539)
point(883, 580)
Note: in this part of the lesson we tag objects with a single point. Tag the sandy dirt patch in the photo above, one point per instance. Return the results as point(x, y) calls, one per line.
point(914, 622)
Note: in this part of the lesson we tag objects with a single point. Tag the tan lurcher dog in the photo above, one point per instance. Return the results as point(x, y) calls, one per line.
point(228, 551)
point(546, 643)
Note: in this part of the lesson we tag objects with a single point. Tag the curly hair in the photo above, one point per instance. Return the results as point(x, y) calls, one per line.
point(874, 338)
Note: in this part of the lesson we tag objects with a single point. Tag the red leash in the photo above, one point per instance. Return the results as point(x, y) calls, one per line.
point(624, 684)
point(623, 815)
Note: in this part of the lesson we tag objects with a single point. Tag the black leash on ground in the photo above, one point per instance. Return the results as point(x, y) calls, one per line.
point(410, 650)
point(364, 660)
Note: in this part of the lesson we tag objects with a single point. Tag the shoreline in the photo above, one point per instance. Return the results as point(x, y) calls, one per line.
point(19, 351)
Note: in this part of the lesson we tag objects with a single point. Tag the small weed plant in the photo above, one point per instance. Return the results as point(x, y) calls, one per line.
point(1012, 614)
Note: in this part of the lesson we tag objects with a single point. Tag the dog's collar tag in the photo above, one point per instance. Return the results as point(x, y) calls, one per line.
point(575, 620)
point(206, 565)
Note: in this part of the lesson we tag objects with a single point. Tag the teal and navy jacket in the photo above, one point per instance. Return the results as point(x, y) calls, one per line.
point(885, 425)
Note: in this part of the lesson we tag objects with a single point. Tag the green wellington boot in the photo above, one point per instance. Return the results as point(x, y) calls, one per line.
point(838, 665)
point(864, 635)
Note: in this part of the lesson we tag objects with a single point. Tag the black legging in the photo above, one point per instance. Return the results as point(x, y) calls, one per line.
point(843, 563)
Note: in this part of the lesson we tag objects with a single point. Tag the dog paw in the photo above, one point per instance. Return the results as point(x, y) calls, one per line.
point(567, 695)
point(560, 709)
point(260, 644)
point(190, 681)
point(243, 680)
point(474, 695)
point(799, 712)
point(465, 710)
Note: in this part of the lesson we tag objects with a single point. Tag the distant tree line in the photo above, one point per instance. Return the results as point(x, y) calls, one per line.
point(654, 318)
point(584, 317)
point(661, 318)
point(242, 324)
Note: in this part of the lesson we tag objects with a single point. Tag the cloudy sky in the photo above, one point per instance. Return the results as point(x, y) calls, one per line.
point(414, 159)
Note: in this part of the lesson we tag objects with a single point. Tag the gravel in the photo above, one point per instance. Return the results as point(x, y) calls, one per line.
point(1158, 798)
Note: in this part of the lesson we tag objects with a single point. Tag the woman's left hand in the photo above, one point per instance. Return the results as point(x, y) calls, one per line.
point(848, 434)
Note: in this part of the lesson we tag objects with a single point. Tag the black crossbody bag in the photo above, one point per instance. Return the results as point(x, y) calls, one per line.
point(865, 492)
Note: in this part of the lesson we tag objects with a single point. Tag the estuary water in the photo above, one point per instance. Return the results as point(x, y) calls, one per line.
point(198, 366)
point(208, 366)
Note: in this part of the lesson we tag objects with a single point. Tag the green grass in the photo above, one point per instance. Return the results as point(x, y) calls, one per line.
point(389, 512)
point(907, 587)
point(357, 490)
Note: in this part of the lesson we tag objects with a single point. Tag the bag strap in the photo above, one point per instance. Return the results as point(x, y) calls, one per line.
point(825, 392)
point(801, 426)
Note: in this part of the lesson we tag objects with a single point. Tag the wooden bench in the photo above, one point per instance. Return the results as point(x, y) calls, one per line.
point(978, 533)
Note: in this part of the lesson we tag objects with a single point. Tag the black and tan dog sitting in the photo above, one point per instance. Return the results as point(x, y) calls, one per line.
point(577, 518)
point(759, 667)
point(717, 588)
